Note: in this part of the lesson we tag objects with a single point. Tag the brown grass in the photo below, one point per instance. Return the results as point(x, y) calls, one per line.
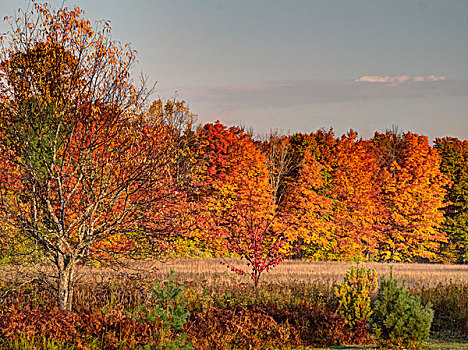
point(215, 269)
point(295, 293)
point(209, 269)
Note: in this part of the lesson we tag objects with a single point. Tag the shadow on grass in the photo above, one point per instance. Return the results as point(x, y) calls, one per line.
point(343, 347)
point(446, 345)
point(430, 345)
point(353, 347)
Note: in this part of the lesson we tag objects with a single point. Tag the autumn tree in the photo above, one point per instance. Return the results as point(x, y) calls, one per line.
point(236, 173)
point(308, 210)
point(84, 164)
point(299, 143)
point(256, 235)
point(177, 214)
point(225, 168)
point(238, 211)
point(347, 184)
point(319, 144)
point(412, 190)
point(356, 207)
point(454, 155)
point(279, 160)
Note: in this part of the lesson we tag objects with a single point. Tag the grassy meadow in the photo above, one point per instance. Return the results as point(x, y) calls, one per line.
point(299, 270)
point(295, 307)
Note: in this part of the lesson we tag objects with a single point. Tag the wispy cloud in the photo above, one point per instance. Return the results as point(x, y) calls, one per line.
point(380, 79)
point(399, 79)
point(435, 78)
point(284, 94)
point(418, 104)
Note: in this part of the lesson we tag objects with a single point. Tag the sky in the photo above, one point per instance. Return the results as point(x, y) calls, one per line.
point(300, 65)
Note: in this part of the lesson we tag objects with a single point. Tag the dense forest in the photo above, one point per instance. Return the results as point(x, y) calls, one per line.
point(317, 196)
point(220, 191)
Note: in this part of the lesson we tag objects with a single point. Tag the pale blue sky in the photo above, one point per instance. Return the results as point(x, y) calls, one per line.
point(294, 65)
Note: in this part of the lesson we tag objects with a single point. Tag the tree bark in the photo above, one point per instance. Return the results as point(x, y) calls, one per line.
point(66, 275)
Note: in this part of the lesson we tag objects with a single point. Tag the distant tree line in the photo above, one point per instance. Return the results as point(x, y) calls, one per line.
point(390, 198)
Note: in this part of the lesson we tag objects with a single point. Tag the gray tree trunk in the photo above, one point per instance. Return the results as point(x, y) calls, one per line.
point(65, 284)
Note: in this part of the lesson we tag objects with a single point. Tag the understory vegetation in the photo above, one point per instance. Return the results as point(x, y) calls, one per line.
point(148, 311)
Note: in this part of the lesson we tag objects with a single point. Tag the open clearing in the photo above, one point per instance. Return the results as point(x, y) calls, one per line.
point(208, 269)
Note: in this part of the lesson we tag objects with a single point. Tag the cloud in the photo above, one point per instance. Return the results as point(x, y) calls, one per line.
point(379, 79)
point(434, 78)
point(290, 93)
point(399, 79)
point(434, 107)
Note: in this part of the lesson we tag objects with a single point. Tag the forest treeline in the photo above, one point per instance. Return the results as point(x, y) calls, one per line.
point(391, 198)
point(319, 196)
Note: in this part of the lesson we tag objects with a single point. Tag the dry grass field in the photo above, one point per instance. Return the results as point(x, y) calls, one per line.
point(209, 269)
point(296, 299)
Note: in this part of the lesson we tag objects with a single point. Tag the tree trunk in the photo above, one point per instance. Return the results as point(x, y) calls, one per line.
point(66, 275)
point(256, 280)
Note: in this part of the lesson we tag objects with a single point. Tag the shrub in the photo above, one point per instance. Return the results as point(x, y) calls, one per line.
point(318, 326)
point(242, 328)
point(54, 326)
point(354, 295)
point(169, 312)
point(398, 319)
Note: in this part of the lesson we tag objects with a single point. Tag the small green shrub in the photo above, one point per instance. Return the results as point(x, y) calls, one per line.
point(169, 312)
point(354, 294)
point(399, 320)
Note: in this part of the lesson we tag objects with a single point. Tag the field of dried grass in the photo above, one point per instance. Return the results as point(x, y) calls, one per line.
point(296, 270)
point(294, 308)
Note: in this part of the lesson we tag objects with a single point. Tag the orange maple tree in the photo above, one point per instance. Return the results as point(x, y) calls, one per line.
point(238, 211)
point(356, 207)
point(308, 210)
point(412, 195)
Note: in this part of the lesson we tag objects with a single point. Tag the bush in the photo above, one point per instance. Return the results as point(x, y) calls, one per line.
point(399, 320)
point(41, 327)
point(169, 312)
point(242, 328)
point(318, 326)
point(354, 295)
